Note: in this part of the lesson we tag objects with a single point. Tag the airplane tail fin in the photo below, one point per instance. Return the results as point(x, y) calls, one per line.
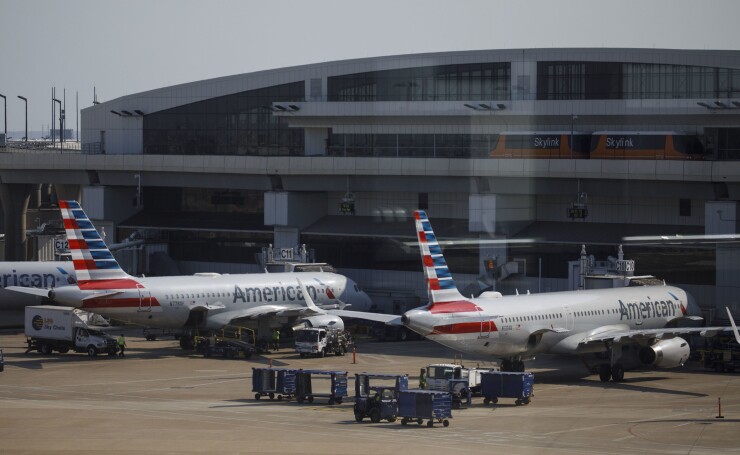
point(440, 285)
point(95, 266)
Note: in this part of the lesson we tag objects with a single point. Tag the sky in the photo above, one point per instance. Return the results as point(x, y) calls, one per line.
point(124, 47)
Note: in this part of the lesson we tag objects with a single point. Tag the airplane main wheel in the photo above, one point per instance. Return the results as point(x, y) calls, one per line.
point(605, 373)
point(617, 373)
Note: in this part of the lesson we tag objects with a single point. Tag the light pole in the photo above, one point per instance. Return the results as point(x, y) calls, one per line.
point(5, 116)
point(61, 117)
point(25, 101)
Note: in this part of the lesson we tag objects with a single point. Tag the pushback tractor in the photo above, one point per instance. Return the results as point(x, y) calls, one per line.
point(376, 396)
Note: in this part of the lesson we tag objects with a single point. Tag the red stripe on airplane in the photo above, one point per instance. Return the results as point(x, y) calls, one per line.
point(428, 261)
point(434, 284)
point(63, 205)
point(416, 215)
point(106, 285)
point(134, 302)
point(465, 327)
point(78, 244)
point(458, 306)
point(422, 237)
point(84, 264)
point(70, 224)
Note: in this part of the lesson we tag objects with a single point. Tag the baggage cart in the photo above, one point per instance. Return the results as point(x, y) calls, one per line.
point(498, 384)
point(418, 405)
point(273, 382)
point(328, 384)
point(376, 396)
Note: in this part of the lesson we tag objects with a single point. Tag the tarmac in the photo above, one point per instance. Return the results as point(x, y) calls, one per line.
point(160, 399)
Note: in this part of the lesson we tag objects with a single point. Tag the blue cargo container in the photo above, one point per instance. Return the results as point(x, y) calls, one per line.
point(419, 405)
point(337, 389)
point(498, 384)
point(273, 381)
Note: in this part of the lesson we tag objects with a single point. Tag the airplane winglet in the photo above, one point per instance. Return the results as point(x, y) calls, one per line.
point(309, 301)
point(734, 327)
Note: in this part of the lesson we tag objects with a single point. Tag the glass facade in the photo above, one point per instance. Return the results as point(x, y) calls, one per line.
point(238, 124)
point(605, 81)
point(413, 145)
point(480, 81)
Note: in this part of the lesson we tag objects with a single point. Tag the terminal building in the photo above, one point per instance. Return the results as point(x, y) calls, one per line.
point(519, 156)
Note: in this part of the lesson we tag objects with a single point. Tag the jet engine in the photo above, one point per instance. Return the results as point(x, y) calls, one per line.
point(669, 353)
point(68, 295)
point(321, 320)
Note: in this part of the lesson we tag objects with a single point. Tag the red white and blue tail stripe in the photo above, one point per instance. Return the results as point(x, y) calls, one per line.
point(95, 266)
point(440, 285)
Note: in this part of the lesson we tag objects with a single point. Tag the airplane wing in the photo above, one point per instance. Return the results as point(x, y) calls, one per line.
point(638, 335)
point(39, 292)
point(388, 319)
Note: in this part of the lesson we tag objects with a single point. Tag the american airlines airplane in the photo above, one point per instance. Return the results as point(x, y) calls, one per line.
point(626, 327)
point(46, 275)
point(198, 302)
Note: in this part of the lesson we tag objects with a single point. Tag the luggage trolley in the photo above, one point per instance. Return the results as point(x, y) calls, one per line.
point(378, 401)
point(305, 390)
point(273, 381)
point(498, 384)
point(417, 405)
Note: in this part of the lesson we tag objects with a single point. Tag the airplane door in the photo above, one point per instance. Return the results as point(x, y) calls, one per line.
point(569, 320)
point(485, 326)
point(145, 299)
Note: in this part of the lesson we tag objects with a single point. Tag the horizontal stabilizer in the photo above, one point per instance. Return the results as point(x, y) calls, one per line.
point(39, 292)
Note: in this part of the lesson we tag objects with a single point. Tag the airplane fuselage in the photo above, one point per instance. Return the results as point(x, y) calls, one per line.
point(526, 325)
point(46, 275)
point(167, 302)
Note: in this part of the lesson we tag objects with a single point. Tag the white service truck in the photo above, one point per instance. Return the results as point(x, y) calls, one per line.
point(320, 341)
point(438, 376)
point(51, 328)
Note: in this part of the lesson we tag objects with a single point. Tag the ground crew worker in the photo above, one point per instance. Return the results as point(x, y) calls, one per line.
point(422, 379)
point(276, 339)
point(121, 345)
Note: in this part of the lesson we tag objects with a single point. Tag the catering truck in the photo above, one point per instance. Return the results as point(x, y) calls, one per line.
point(57, 328)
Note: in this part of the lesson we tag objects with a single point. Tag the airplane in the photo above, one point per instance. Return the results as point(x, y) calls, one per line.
point(610, 329)
point(48, 275)
point(207, 301)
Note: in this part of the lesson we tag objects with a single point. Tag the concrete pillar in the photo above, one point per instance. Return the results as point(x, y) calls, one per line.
point(14, 198)
point(721, 217)
point(68, 192)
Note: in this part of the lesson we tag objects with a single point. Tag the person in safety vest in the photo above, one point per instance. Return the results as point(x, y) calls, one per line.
point(121, 345)
point(276, 340)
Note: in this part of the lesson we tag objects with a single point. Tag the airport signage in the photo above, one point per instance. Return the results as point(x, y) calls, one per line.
point(625, 266)
point(284, 254)
point(61, 245)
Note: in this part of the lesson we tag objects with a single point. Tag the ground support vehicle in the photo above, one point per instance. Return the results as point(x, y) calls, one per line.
point(328, 384)
point(273, 382)
point(460, 392)
point(438, 377)
point(723, 355)
point(223, 347)
point(379, 402)
point(418, 405)
point(50, 328)
point(320, 341)
point(498, 384)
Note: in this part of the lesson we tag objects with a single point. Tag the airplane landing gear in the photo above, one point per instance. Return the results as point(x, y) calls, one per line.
point(514, 365)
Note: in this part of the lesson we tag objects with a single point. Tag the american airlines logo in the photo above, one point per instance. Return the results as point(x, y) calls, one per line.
point(546, 142)
point(646, 310)
point(273, 294)
point(620, 142)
